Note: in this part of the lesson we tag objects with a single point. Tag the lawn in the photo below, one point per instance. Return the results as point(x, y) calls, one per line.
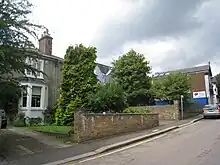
point(50, 128)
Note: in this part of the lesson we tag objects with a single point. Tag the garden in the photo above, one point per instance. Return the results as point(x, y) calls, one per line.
point(130, 90)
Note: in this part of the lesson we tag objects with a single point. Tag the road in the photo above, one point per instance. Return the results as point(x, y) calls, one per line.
point(197, 144)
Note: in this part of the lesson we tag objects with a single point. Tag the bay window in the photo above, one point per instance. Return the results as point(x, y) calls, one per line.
point(36, 64)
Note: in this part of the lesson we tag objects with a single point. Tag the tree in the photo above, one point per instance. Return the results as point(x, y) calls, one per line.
point(16, 36)
point(109, 97)
point(158, 89)
point(172, 86)
point(131, 71)
point(78, 81)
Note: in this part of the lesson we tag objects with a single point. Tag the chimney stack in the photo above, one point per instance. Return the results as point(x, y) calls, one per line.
point(45, 43)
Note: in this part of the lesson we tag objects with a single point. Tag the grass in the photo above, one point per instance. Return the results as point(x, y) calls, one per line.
point(51, 128)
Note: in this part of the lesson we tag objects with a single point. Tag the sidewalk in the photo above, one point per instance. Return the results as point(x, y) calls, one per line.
point(57, 154)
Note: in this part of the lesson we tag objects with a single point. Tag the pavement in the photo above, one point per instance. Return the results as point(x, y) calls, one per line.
point(51, 154)
point(195, 144)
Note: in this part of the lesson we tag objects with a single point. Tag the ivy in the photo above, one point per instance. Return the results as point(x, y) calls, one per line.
point(78, 81)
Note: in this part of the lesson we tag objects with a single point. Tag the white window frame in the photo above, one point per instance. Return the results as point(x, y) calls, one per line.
point(41, 76)
point(41, 88)
point(44, 95)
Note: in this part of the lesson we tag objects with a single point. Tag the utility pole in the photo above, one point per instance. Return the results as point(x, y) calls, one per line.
point(181, 107)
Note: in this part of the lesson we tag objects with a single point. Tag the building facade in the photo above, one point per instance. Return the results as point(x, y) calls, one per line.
point(42, 89)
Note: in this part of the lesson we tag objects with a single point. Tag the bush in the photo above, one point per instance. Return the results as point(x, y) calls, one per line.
point(35, 121)
point(19, 120)
point(109, 98)
point(136, 110)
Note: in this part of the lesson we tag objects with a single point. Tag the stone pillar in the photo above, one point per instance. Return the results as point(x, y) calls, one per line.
point(177, 109)
point(79, 124)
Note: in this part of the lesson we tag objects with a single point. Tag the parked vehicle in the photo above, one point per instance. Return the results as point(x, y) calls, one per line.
point(211, 110)
point(3, 119)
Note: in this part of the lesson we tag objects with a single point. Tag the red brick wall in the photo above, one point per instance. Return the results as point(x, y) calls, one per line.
point(197, 82)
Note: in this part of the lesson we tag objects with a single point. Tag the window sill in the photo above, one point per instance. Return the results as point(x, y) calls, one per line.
point(37, 109)
point(34, 77)
point(23, 108)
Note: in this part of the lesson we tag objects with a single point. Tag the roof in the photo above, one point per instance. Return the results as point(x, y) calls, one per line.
point(203, 68)
point(104, 68)
point(195, 69)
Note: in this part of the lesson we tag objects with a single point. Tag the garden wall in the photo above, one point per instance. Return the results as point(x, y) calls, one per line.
point(89, 126)
point(173, 112)
point(166, 112)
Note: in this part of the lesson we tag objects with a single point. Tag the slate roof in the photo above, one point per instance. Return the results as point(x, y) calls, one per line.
point(104, 68)
point(202, 68)
point(195, 69)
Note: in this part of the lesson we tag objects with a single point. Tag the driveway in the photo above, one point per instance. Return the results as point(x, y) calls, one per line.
point(197, 144)
point(14, 145)
point(17, 143)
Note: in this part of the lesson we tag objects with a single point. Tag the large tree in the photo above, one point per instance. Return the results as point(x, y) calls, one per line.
point(78, 81)
point(172, 86)
point(132, 71)
point(16, 36)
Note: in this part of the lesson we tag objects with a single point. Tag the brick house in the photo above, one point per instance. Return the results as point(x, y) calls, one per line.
point(43, 90)
point(201, 82)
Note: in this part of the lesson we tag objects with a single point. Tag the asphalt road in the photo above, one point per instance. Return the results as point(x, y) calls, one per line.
point(197, 144)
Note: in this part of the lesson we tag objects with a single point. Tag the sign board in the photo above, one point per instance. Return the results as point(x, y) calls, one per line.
point(199, 94)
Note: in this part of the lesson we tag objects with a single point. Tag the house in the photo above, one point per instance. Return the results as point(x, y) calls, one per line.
point(201, 82)
point(103, 73)
point(215, 91)
point(42, 90)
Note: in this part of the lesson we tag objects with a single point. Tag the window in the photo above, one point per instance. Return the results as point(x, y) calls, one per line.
point(49, 42)
point(36, 97)
point(24, 97)
point(37, 64)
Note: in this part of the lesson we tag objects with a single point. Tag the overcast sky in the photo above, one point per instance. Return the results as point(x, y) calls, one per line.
point(172, 34)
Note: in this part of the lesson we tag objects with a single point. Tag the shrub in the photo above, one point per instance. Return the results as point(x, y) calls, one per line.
point(139, 109)
point(19, 120)
point(35, 121)
point(109, 98)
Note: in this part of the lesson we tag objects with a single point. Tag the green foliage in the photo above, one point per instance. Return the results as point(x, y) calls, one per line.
point(34, 121)
point(137, 110)
point(131, 71)
point(158, 89)
point(78, 81)
point(172, 86)
point(16, 36)
point(109, 98)
point(20, 120)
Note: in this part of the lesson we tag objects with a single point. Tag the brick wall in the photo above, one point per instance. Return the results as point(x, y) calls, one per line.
point(92, 126)
point(172, 112)
point(166, 112)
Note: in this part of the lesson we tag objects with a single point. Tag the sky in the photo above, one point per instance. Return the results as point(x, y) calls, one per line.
point(172, 34)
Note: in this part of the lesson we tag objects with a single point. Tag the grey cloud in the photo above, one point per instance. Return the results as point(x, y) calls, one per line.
point(194, 24)
point(202, 45)
point(154, 19)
